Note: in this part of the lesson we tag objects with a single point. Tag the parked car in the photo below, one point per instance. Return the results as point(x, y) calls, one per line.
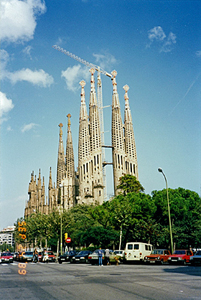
point(159, 256)
point(115, 257)
point(196, 258)
point(93, 257)
point(67, 256)
point(15, 256)
point(180, 256)
point(136, 251)
point(26, 256)
point(81, 257)
point(39, 255)
point(6, 257)
point(48, 256)
point(18, 256)
point(120, 253)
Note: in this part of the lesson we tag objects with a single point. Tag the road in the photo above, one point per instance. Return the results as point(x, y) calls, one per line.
point(83, 281)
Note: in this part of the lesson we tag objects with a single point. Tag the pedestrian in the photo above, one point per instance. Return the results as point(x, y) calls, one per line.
point(107, 256)
point(100, 257)
point(35, 255)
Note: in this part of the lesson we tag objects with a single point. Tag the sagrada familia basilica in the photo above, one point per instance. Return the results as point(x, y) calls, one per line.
point(87, 184)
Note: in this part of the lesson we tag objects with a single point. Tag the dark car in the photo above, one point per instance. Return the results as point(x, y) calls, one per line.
point(15, 256)
point(196, 258)
point(27, 256)
point(6, 257)
point(81, 257)
point(67, 256)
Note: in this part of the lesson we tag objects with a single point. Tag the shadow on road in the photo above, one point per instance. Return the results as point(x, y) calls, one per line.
point(187, 270)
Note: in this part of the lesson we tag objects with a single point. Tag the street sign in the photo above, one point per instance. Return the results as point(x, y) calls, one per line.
point(68, 240)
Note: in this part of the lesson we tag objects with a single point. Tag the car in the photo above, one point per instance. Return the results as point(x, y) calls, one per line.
point(26, 256)
point(120, 253)
point(136, 251)
point(180, 256)
point(15, 256)
point(48, 256)
point(196, 258)
point(81, 257)
point(6, 257)
point(67, 256)
point(93, 257)
point(40, 256)
point(158, 256)
point(19, 255)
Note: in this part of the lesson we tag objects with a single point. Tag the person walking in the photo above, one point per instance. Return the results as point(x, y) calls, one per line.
point(35, 255)
point(100, 257)
point(107, 256)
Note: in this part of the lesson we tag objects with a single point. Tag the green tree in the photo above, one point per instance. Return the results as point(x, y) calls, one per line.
point(100, 236)
point(185, 209)
point(129, 184)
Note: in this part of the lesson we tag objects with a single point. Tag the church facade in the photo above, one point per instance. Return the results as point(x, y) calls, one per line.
point(86, 186)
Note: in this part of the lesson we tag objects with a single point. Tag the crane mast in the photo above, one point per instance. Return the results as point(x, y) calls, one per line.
point(99, 100)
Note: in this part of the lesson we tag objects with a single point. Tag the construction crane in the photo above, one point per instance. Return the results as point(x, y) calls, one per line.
point(100, 102)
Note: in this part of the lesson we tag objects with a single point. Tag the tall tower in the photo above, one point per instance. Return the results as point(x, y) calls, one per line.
point(84, 153)
point(67, 186)
point(96, 146)
point(130, 148)
point(118, 149)
point(61, 158)
point(70, 165)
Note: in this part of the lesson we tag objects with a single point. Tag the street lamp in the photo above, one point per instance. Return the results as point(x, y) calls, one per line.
point(171, 239)
point(61, 211)
point(61, 234)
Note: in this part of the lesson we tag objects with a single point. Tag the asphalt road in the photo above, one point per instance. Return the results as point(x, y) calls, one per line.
point(85, 282)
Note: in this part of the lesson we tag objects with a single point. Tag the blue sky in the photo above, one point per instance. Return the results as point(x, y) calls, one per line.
point(155, 48)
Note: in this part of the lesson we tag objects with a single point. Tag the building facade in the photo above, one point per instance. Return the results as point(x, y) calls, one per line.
point(86, 186)
point(7, 236)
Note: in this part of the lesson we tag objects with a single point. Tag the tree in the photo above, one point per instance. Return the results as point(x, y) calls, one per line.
point(185, 209)
point(129, 184)
point(100, 236)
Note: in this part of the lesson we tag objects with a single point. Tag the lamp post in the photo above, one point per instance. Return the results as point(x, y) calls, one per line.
point(61, 211)
point(171, 239)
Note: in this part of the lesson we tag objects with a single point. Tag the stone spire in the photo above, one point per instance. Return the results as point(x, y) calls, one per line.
point(39, 190)
point(61, 158)
point(95, 134)
point(83, 108)
point(50, 179)
point(43, 193)
point(130, 148)
point(95, 171)
point(117, 136)
point(70, 166)
point(84, 149)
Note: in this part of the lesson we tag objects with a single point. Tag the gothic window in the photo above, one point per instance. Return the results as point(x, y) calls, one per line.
point(99, 193)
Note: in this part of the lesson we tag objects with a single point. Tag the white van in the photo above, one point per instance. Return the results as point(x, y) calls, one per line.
point(136, 251)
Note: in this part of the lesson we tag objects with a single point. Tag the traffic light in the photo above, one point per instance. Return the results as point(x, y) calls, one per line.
point(66, 235)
